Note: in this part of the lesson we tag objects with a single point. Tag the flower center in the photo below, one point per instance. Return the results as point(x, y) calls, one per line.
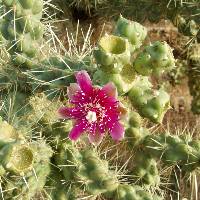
point(91, 117)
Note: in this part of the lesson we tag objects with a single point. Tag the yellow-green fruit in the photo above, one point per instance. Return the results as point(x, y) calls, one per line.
point(112, 53)
point(17, 158)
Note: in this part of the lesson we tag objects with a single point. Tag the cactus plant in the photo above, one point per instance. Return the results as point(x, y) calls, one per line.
point(41, 156)
point(150, 104)
point(133, 31)
point(155, 59)
point(23, 29)
point(194, 71)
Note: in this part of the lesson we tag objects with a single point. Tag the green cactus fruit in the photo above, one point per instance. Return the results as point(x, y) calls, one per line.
point(133, 31)
point(31, 185)
point(155, 59)
point(17, 158)
point(156, 107)
point(31, 182)
point(142, 64)
point(123, 83)
point(112, 53)
point(150, 104)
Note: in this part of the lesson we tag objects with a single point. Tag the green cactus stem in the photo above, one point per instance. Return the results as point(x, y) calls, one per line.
point(150, 104)
point(174, 150)
point(194, 75)
point(123, 82)
point(155, 59)
point(23, 29)
point(146, 171)
point(133, 31)
point(130, 192)
point(95, 172)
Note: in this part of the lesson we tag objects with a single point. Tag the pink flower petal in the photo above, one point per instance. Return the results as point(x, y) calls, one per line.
point(77, 130)
point(84, 81)
point(64, 113)
point(72, 90)
point(95, 138)
point(110, 90)
point(117, 131)
point(70, 113)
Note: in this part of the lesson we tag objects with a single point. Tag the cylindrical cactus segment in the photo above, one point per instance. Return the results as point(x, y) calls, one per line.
point(96, 174)
point(23, 29)
point(155, 59)
point(174, 150)
point(145, 170)
point(135, 136)
point(133, 31)
point(194, 76)
point(112, 53)
point(17, 158)
point(150, 103)
point(123, 83)
point(130, 192)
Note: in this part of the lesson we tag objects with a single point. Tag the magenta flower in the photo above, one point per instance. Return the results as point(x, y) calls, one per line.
point(95, 110)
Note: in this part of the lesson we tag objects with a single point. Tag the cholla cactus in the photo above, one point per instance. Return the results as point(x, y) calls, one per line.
point(149, 103)
point(155, 59)
point(47, 159)
point(194, 74)
point(21, 26)
point(133, 31)
point(20, 161)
